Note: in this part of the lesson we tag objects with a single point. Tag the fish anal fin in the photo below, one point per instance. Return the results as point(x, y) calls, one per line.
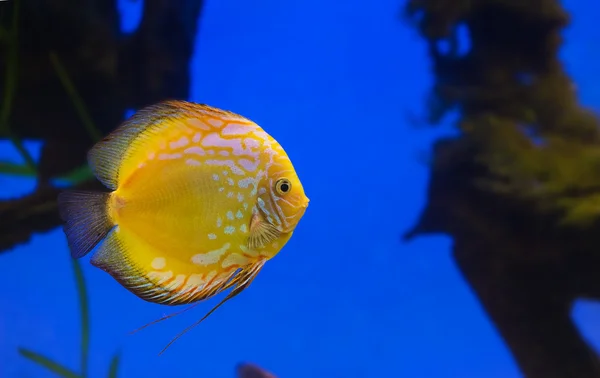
point(206, 293)
point(171, 315)
point(240, 283)
point(118, 258)
point(112, 257)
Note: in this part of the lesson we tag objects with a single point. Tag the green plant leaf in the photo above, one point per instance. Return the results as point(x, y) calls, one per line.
point(9, 168)
point(16, 141)
point(10, 85)
point(4, 35)
point(54, 367)
point(10, 82)
point(77, 175)
point(114, 366)
point(85, 316)
point(78, 103)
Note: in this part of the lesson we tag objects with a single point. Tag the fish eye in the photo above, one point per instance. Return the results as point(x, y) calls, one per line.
point(283, 186)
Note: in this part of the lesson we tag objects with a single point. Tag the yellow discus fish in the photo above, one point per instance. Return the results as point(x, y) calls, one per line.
point(200, 198)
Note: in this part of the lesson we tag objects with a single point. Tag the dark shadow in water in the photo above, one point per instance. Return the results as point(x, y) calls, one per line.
point(68, 75)
point(517, 189)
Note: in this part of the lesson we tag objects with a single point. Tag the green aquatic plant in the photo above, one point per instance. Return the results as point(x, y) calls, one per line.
point(74, 177)
point(10, 38)
point(56, 367)
point(522, 115)
point(112, 69)
point(29, 168)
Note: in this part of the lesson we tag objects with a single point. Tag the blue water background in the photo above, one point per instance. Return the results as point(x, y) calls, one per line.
point(337, 83)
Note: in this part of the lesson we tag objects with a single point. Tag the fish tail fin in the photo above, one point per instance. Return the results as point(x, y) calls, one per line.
point(86, 219)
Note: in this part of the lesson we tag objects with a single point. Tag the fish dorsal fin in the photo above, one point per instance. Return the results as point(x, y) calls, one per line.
point(106, 157)
point(261, 232)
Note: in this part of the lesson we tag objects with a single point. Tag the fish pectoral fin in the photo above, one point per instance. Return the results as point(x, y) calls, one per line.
point(261, 232)
point(240, 282)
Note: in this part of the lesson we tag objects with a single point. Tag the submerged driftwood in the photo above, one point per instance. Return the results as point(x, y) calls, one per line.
point(517, 190)
point(55, 52)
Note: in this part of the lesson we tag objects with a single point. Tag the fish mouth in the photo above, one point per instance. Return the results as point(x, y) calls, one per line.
point(302, 209)
point(305, 202)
